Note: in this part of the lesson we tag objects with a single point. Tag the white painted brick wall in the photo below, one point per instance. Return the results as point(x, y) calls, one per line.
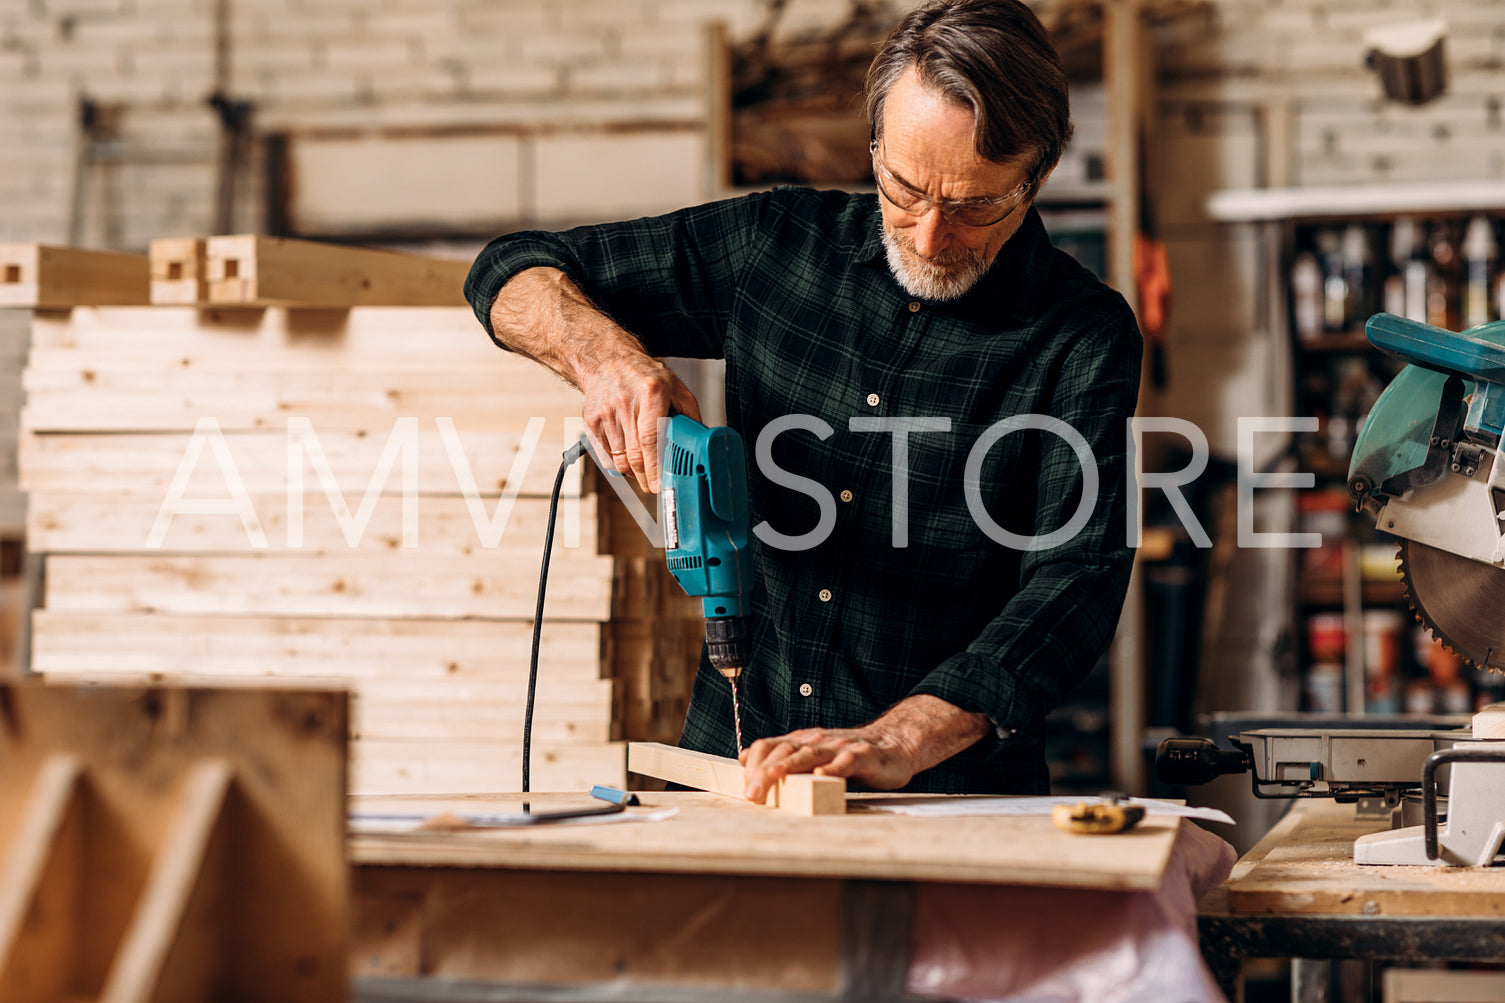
point(311, 64)
point(535, 63)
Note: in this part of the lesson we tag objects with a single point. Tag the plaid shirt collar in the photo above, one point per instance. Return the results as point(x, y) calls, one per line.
point(1013, 285)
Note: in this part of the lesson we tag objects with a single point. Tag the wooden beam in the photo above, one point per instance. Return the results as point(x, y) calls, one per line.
point(161, 887)
point(254, 270)
point(179, 271)
point(183, 868)
point(801, 793)
point(36, 275)
point(38, 880)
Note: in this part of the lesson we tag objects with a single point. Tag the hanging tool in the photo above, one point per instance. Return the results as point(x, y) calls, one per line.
point(703, 511)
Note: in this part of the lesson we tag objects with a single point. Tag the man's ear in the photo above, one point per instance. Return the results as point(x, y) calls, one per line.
point(1044, 177)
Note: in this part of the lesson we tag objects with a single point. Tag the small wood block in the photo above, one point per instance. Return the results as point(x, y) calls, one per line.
point(179, 271)
point(1489, 722)
point(802, 794)
point(36, 275)
point(808, 794)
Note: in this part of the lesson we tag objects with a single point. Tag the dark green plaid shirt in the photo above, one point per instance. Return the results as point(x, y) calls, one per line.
point(792, 288)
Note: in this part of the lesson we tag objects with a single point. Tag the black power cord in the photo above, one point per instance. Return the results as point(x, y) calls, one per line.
point(570, 456)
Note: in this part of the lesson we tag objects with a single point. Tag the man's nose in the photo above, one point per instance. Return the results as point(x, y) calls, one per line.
point(932, 234)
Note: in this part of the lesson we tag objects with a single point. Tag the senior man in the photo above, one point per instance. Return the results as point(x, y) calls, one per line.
point(937, 397)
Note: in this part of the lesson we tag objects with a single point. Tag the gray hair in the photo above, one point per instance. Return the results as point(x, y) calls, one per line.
point(993, 56)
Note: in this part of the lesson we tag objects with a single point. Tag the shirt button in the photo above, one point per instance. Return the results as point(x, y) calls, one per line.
point(806, 689)
point(872, 400)
point(914, 307)
point(846, 496)
point(825, 595)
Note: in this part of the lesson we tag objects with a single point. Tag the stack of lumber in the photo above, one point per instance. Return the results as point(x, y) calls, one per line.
point(316, 465)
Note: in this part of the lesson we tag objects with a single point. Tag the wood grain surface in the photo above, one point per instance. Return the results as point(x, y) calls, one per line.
point(1310, 870)
point(716, 835)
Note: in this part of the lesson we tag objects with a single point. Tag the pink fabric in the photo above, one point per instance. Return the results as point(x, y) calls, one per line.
point(979, 942)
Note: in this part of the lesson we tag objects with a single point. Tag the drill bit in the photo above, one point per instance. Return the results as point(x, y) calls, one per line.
point(736, 713)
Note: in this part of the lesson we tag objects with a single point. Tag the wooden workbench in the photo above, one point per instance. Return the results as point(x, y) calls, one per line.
point(1298, 894)
point(725, 898)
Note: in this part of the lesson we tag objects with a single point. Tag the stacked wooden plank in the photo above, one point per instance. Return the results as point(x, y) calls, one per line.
point(355, 493)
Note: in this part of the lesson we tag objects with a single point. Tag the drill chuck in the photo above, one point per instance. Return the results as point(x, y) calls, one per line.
point(727, 642)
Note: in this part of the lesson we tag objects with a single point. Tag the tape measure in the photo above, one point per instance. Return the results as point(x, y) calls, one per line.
point(1092, 819)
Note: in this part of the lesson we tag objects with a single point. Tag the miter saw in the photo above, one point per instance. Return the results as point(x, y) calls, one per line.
point(1428, 466)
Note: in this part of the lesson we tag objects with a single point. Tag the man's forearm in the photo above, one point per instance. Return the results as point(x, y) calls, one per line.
point(932, 730)
point(542, 314)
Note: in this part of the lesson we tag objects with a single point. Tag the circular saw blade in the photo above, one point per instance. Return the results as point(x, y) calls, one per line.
point(1461, 601)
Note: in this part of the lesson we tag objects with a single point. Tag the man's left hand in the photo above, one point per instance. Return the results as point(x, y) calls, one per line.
point(914, 735)
point(867, 755)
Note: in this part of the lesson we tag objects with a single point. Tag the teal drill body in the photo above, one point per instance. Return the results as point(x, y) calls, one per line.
point(704, 515)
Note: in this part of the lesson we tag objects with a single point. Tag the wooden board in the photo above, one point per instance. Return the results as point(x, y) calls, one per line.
point(96, 411)
point(504, 380)
point(174, 844)
point(1311, 871)
point(647, 937)
point(1415, 985)
point(444, 718)
point(446, 526)
point(36, 275)
point(799, 794)
point(716, 835)
point(258, 463)
point(396, 767)
point(579, 587)
point(1489, 722)
point(579, 697)
point(419, 651)
point(258, 270)
point(274, 338)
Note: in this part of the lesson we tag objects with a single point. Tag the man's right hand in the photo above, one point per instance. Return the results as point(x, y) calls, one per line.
point(624, 403)
point(540, 313)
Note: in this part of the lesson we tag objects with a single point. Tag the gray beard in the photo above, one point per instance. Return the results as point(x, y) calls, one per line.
point(928, 280)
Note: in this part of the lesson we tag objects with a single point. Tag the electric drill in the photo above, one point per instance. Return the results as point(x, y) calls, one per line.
point(703, 512)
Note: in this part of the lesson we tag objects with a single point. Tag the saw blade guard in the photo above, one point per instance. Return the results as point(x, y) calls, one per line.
point(1417, 421)
point(1397, 433)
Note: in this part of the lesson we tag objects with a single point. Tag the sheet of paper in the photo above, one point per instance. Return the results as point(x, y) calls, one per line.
point(397, 822)
point(955, 807)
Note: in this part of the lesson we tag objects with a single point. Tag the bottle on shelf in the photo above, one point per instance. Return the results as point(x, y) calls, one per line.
point(1479, 252)
point(1335, 296)
point(1406, 286)
point(1355, 390)
point(1442, 277)
point(1499, 289)
point(1306, 294)
point(1359, 274)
